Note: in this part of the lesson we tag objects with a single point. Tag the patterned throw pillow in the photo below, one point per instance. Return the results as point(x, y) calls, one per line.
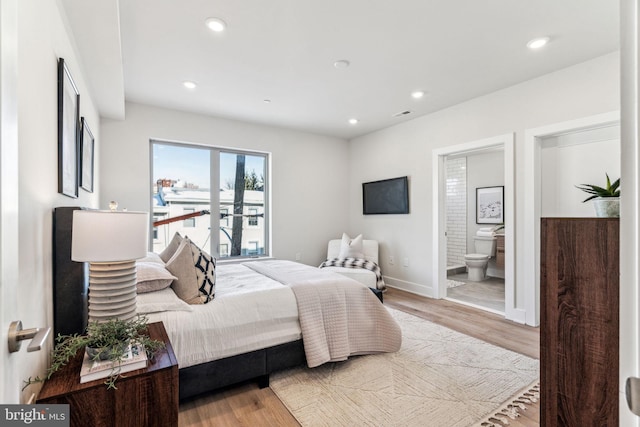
point(205, 266)
point(181, 266)
point(195, 271)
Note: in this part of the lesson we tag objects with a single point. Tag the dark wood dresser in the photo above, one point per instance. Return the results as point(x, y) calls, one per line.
point(579, 321)
point(146, 397)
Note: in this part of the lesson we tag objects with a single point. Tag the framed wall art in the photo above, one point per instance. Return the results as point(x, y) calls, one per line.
point(490, 205)
point(68, 131)
point(87, 142)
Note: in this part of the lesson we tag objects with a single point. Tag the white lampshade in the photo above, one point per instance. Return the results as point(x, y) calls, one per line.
point(106, 236)
point(110, 241)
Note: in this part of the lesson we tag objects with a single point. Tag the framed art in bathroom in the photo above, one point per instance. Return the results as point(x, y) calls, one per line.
point(490, 205)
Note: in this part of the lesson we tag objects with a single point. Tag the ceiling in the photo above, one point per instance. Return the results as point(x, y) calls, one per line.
point(284, 51)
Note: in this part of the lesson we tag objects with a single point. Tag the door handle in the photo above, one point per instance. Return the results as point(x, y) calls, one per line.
point(633, 394)
point(17, 335)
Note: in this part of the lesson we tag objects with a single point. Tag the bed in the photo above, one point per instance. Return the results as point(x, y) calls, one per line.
point(254, 324)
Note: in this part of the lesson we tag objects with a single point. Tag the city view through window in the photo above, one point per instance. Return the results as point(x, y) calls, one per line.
point(229, 222)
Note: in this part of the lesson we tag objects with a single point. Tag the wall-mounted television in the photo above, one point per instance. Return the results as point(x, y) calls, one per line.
point(388, 196)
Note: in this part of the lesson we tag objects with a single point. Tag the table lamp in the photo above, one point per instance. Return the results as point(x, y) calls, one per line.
point(110, 241)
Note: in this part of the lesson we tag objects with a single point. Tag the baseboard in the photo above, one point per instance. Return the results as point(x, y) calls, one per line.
point(456, 269)
point(517, 315)
point(414, 288)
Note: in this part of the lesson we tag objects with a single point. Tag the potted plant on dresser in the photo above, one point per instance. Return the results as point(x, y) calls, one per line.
point(606, 200)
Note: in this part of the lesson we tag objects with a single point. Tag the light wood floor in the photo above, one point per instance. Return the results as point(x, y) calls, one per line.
point(247, 405)
point(488, 293)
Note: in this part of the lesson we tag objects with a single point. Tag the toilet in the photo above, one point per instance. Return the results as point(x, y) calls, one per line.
point(477, 262)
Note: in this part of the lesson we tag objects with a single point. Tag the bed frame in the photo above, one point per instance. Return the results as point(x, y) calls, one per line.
point(70, 305)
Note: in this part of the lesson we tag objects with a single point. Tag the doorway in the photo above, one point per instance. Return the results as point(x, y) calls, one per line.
point(470, 178)
point(505, 143)
point(529, 274)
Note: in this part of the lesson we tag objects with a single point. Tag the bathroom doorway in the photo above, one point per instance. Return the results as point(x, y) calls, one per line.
point(504, 145)
point(474, 243)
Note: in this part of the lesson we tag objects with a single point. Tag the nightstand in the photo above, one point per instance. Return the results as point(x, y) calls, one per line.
point(146, 397)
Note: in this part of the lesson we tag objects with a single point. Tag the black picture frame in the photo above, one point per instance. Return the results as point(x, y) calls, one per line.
point(490, 205)
point(87, 145)
point(68, 132)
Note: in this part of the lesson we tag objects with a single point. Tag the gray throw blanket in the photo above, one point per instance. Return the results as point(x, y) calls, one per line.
point(357, 263)
point(339, 317)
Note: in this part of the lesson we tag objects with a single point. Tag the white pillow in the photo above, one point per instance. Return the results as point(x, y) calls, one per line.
point(351, 248)
point(152, 277)
point(152, 257)
point(164, 300)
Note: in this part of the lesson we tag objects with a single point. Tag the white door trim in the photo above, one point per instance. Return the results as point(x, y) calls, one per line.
point(10, 383)
point(439, 221)
point(629, 205)
point(532, 202)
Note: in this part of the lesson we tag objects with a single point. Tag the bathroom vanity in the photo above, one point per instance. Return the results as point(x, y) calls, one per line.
point(499, 250)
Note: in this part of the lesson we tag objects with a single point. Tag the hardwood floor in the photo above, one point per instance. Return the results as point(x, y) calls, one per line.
point(247, 405)
point(488, 293)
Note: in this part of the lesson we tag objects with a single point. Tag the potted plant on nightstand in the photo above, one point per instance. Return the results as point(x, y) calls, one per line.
point(105, 341)
point(606, 200)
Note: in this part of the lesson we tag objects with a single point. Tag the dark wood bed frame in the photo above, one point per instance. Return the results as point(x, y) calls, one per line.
point(70, 292)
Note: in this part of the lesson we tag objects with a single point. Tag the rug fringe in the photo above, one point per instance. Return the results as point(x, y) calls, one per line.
point(512, 408)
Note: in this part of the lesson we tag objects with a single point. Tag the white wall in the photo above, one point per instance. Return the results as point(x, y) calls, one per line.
point(577, 158)
point(42, 39)
point(406, 149)
point(308, 177)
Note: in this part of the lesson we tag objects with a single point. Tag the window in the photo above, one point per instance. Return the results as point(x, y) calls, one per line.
point(252, 220)
point(224, 217)
point(189, 222)
point(253, 248)
point(182, 179)
point(224, 250)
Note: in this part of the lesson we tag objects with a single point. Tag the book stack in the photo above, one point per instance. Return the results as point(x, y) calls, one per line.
point(134, 358)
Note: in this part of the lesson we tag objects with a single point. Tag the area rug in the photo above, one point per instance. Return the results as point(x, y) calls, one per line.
point(439, 377)
point(454, 283)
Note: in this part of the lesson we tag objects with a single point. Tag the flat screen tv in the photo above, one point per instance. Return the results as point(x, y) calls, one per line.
point(389, 196)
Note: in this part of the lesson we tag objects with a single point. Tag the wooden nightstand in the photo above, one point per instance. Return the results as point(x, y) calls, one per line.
point(146, 397)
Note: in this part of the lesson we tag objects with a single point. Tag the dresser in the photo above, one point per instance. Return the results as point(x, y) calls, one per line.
point(579, 321)
point(146, 397)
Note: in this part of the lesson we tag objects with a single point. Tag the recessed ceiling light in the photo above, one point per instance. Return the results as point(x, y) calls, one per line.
point(417, 94)
point(353, 121)
point(342, 63)
point(266, 101)
point(537, 43)
point(189, 84)
point(216, 24)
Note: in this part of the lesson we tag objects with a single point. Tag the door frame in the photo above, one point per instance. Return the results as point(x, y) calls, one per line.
point(531, 196)
point(10, 383)
point(630, 204)
point(505, 141)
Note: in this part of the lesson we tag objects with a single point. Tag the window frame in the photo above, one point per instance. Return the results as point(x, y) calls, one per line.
point(214, 176)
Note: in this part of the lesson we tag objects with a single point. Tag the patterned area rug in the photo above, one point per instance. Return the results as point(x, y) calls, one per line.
point(438, 378)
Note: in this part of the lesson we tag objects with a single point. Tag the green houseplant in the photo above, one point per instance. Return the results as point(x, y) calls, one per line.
point(606, 199)
point(103, 340)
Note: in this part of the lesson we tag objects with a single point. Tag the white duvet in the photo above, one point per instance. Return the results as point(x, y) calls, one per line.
point(249, 312)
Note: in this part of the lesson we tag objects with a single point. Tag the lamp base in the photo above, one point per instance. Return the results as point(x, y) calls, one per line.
point(112, 291)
